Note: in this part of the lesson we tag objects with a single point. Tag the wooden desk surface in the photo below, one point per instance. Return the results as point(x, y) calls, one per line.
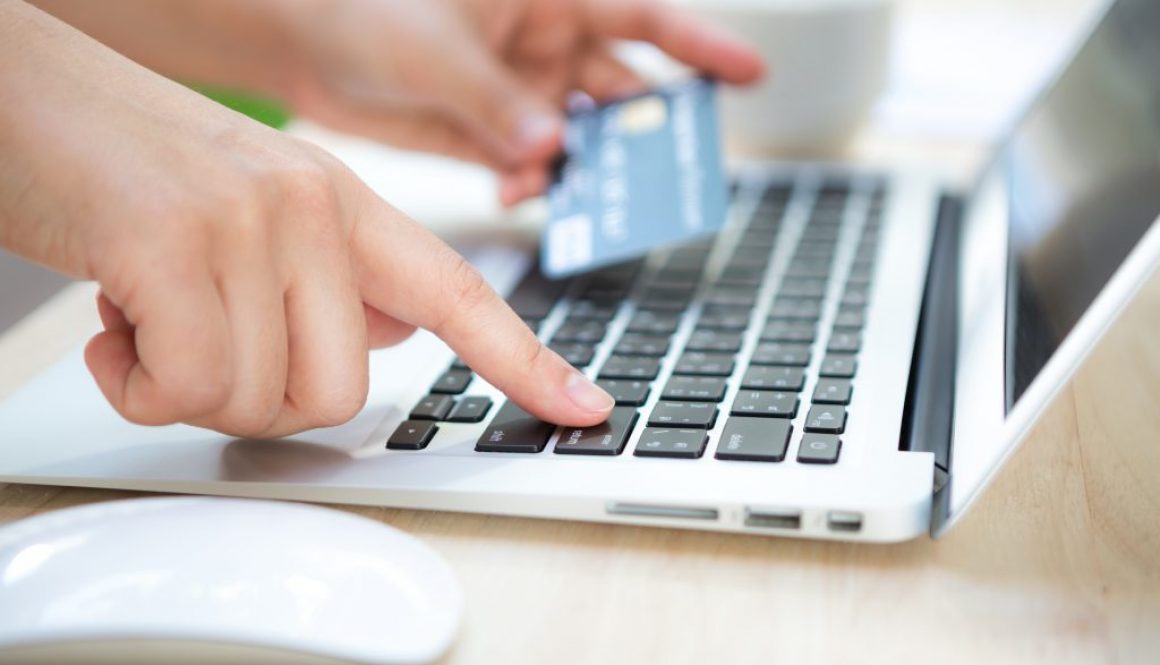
point(1059, 562)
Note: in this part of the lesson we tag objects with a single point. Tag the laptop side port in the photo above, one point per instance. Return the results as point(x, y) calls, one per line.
point(764, 518)
point(656, 510)
point(844, 521)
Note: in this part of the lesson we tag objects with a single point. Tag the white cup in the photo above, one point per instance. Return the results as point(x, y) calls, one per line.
point(827, 61)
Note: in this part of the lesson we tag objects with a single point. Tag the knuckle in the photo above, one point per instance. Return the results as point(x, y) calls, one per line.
point(466, 292)
point(338, 406)
point(198, 390)
point(306, 186)
point(175, 395)
point(253, 420)
point(237, 212)
point(531, 354)
point(647, 19)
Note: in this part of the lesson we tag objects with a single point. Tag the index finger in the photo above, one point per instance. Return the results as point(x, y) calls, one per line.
point(410, 274)
point(682, 35)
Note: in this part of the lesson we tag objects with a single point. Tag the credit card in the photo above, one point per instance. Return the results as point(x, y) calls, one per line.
point(638, 174)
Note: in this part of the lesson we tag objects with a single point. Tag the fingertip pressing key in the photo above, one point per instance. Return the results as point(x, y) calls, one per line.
point(589, 397)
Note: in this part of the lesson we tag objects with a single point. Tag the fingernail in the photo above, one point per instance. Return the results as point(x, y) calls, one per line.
point(587, 395)
point(538, 128)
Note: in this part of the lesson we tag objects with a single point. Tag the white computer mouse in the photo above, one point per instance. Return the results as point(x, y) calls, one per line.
point(203, 580)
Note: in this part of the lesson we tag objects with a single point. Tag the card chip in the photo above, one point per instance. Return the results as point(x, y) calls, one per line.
point(569, 243)
point(643, 115)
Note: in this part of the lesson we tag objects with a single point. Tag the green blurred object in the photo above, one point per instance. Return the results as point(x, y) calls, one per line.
point(262, 109)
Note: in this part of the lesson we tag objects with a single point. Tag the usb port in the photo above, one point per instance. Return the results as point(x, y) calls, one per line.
point(844, 521)
point(773, 519)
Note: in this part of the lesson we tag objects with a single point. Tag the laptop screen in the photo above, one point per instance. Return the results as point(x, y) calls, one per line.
point(1083, 176)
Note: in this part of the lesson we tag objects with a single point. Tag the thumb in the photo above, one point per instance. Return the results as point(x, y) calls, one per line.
point(509, 118)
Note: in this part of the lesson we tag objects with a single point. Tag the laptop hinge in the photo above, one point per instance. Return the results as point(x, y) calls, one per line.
point(929, 413)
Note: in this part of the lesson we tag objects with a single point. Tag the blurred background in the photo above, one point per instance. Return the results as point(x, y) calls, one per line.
point(954, 74)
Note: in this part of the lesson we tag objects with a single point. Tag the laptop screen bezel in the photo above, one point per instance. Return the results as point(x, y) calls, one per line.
point(985, 431)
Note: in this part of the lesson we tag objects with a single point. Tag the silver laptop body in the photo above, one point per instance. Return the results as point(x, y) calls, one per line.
point(853, 357)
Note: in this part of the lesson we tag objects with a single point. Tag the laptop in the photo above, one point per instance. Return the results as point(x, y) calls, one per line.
point(853, 356)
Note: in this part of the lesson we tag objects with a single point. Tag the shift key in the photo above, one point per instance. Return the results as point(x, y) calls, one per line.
point(514, 430)
point(607, 438)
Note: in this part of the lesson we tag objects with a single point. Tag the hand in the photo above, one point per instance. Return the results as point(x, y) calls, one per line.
point(486, 80)
point(244, 274)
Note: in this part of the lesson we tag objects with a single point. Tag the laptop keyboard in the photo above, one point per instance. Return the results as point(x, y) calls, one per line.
point(701, 339)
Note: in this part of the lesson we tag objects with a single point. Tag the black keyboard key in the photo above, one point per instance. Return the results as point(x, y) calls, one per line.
point(750, 256)
point(800, 287)
point(765, 404)
point(594, 310)
point(796, 308)
point(719, 341)
point(433, 407)
point(776, 353)
point(832, 391)
point(756, 238)
point(855, 296)
point(695, 389)
point(859, 275)
point(514, 430)
point(607, 438)
point(683, 414)
point(626, 392)
point(577, 354)
point(696, 363)
point(535, 296)
point(754, 440)
point(677, 277)
point(773, 378)
point(767, 224)
point(810, 248)
point(724, 296)
point(776, 193)
point(603, 293)
point(742, 276)
point(630, 367)
point(844, 342)
point(724, 318)
point(452, 382)
point(801, 332)
point(654, 323)
point(849, 319)
point(412, 435)
point(811, 268)
point(861, 272)
point(820, 237)
point(470, 410)
point(838, 365)
point(624, 271)
point(819, 449)
point(585, 331)
point(640, 344)
point(667, 442)
point(458, 363)
point(689, 260)
point(666, 298)
point(826, 418)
